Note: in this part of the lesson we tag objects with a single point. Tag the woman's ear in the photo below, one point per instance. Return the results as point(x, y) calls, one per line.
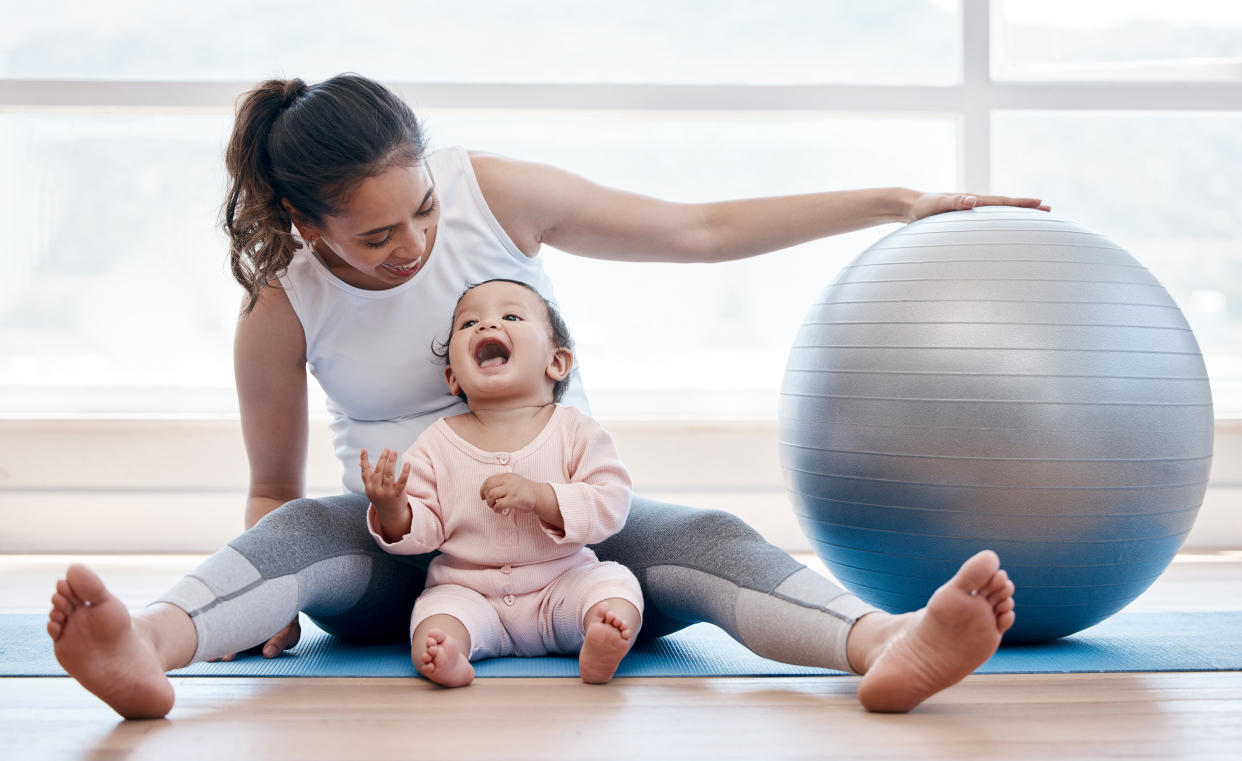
point(306, 231)
point(562, 362)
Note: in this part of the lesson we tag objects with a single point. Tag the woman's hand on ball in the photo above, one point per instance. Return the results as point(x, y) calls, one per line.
point(928, 204)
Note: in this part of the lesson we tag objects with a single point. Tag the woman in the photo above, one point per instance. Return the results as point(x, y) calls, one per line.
point(392, 236)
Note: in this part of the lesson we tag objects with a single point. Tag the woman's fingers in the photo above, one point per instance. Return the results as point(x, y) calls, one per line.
point(284, 639)
point(1026, 203)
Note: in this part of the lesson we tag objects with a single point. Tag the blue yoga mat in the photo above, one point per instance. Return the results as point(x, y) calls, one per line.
point(1127, 642)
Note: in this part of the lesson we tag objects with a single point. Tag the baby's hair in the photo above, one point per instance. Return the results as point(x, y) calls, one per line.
point(560, 332)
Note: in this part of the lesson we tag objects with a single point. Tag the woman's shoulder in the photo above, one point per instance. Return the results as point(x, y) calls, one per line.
point(500, 181)
point(272, 309)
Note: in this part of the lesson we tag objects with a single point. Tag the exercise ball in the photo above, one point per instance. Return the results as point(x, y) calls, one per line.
point(1001, 379)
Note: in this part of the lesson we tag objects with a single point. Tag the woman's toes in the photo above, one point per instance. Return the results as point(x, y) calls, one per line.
point(1005, 593)
point(1004, 621)
point(995, 584)
point(65, 591)
point(1001, 592)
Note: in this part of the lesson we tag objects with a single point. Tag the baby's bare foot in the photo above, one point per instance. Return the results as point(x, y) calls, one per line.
point(608, 639)
point(96, 642)
point(941, 644)
point(443, 661)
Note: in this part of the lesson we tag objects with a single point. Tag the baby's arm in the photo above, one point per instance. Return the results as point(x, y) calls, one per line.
point(509, 491)
point(404, 516)
point(588, 509)
point(595, 502)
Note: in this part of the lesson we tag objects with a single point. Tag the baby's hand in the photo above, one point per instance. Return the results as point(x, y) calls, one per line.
point(384, 491)
point(506, 491)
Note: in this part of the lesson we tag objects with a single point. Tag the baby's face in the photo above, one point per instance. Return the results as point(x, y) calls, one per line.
point(501, 347)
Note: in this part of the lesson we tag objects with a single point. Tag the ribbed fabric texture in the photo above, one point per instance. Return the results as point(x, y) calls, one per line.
point(515, 553)
point(371, 350)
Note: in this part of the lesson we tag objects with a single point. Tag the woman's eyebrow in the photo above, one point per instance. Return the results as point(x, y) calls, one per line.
point(430, 190)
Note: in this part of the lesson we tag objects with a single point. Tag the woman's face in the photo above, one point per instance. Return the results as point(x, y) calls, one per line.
point(385, 232)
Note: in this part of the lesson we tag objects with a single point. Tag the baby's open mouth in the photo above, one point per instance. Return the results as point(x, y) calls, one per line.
point(491, 354)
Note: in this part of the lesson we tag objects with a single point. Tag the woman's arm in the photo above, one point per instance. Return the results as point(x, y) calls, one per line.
point(269, 361)
point(538, 204)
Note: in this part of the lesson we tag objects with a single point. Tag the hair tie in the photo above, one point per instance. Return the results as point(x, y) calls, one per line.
point(294, 90)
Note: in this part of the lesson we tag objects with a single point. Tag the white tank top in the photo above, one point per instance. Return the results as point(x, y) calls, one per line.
point(371, 351)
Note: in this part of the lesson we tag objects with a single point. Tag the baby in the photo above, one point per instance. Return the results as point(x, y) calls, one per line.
point(511, 493)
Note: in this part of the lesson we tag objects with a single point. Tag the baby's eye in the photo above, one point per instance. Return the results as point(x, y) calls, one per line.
point(512, 317)
point(468, 324)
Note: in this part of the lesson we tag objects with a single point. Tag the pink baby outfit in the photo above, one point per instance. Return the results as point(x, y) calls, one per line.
point(520, 586)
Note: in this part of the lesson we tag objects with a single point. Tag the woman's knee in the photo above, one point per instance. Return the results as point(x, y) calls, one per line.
point(306, 530)
point(691, 526)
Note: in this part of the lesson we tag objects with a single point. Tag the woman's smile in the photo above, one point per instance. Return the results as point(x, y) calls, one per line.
point(403, 271)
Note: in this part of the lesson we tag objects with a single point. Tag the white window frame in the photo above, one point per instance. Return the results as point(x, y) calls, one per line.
point(162, 485)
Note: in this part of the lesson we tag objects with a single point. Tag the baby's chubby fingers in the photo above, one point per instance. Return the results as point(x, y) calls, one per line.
point(494, 488)
point(404, 477)
point(386, 464)
point(495, 497)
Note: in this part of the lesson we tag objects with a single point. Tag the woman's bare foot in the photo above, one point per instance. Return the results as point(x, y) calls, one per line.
point(933, 648)
point(608, 639)
point(444, 663)
point(97, 643)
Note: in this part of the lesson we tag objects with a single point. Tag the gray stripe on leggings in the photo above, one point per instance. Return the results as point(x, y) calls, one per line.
point(334, 569)
point(765, 622)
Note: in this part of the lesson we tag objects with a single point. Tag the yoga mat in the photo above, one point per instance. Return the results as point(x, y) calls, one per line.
point(1127, 642)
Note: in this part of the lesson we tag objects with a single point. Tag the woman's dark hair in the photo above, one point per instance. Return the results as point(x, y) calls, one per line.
point(310, 145)
point(560, 332)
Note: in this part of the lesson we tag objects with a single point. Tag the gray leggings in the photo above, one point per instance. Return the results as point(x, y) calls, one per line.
point(316, 556)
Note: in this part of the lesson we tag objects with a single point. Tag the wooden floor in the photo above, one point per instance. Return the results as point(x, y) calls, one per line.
point(1124, 716)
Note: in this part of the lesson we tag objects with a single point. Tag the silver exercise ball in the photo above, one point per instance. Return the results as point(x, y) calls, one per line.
point(1005, 379)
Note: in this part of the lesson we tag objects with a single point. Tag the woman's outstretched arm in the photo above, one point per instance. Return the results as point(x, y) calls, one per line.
point(539, 204)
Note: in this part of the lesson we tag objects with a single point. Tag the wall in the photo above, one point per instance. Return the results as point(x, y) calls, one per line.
point(88, 486)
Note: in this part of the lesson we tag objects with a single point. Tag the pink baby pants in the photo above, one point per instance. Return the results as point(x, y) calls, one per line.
point(547, 620)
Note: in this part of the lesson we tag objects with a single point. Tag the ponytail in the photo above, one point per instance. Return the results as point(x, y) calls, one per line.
point(308, 145)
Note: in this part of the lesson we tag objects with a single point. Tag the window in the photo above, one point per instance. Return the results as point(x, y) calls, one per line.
point(1165, 186)
point(779, 42)
point(115, 297)
point(1141, 40)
